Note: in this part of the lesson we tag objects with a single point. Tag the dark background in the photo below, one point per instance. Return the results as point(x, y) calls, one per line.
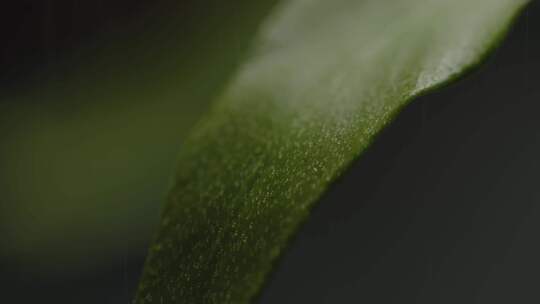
point(443, 208)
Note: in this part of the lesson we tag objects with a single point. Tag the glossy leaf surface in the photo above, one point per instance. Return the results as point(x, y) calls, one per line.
point(324, 78)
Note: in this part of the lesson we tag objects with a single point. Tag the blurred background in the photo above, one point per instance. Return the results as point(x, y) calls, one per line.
point(96, 96)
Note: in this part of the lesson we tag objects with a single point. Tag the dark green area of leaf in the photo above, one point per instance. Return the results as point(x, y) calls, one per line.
point(324, 78)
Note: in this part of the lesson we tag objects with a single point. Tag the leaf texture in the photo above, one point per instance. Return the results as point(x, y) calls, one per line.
point(324, 78)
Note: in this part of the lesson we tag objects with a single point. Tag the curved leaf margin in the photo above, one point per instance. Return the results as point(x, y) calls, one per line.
point(325, 79)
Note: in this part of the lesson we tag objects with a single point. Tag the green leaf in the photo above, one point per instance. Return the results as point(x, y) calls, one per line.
point(324, 78)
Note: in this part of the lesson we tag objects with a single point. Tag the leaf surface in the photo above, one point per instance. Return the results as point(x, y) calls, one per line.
point(324, 78)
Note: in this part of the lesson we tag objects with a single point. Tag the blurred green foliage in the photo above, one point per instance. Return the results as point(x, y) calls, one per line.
point(87, 143)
